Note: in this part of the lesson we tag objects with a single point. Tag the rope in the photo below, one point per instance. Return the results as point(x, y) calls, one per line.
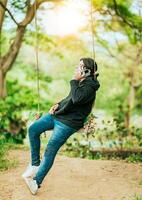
point(92, 31)
point(0, 47)
point(37, 60)
point(37, 63)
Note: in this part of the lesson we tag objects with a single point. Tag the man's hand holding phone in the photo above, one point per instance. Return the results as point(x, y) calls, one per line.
point(77, 75)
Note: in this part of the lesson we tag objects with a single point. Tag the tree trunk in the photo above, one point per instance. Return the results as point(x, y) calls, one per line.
point(131, 99)
point(2, 12)
point(10, 57)
point(2, 85)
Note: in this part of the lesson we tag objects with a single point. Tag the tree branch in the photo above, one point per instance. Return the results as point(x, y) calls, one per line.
point(6, 9)
point(2, 13)
point(8, 59)
point(131, 25)
point(32, 9)
point(110, 52)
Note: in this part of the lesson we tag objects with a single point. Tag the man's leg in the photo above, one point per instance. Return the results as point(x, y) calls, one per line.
point(41, 125)
point(60, 134)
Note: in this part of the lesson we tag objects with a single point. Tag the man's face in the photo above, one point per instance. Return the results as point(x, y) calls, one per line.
point(79, 67)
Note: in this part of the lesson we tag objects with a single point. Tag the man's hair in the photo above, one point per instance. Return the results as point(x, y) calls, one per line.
point(90, 64)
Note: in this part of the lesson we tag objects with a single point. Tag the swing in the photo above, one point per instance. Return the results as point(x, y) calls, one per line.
point(39, 113)
point(37, 66)
point(87, 128)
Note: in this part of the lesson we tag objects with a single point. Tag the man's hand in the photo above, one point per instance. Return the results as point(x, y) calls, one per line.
point(53, 108)
point(77, 75)
point(37, 116)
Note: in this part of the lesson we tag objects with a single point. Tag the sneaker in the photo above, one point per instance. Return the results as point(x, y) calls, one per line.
point(32, 185)
point(30, 171)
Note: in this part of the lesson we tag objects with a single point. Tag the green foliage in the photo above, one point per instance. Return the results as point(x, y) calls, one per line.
point(30, 39)
point(124, 9)
point(115, 135)
point(139, 97)
point(134, 158)
point(100, 4)
point(128, 136)
point(18, 6)
point(123, 19)
point(11, 123)
point(109, 97)
point(74, 148)
point(21, 99)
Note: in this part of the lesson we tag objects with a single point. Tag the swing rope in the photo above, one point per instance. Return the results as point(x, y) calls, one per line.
point(37, 60)
point(92, 31)
point(37, 50)
point(93, 53)
point(37, 63)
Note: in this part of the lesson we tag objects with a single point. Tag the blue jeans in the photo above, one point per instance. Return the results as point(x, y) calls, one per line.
point(59, 136)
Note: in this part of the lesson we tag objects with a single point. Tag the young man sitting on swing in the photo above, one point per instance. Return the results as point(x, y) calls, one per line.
point(65, 118)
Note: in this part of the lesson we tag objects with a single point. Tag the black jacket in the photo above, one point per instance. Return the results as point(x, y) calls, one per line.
point(74, 109)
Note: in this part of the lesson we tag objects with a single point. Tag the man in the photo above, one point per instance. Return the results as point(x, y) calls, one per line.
point(65, 118)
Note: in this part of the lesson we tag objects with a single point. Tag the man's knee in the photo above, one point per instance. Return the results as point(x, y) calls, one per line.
point(55, 144)
point(32, 130)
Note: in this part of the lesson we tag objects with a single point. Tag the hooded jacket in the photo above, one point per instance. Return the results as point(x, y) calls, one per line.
point(74, 109)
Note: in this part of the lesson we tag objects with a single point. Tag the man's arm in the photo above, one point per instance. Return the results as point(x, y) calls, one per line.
point(81, 94)
point(59, 102)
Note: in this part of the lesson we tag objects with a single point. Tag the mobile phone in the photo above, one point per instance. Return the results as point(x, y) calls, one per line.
point(85, 72)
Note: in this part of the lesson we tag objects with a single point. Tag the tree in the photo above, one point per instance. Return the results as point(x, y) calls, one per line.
point(117, 16)
point(6, 61)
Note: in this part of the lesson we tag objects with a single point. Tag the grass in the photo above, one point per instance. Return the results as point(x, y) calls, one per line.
point(5, 162)
point(140, 182)
point(134, 158)
point(137, 197)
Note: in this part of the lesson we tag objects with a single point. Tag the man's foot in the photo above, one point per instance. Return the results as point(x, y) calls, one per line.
point(30, 171)
point(32, 185)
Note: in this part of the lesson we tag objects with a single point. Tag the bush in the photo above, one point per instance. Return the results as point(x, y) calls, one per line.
point(114, 136)
point(20, 99)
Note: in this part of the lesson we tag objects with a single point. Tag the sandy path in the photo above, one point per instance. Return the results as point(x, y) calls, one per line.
point(75, 179)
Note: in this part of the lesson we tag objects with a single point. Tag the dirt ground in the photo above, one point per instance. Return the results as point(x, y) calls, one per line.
point(75, 179)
